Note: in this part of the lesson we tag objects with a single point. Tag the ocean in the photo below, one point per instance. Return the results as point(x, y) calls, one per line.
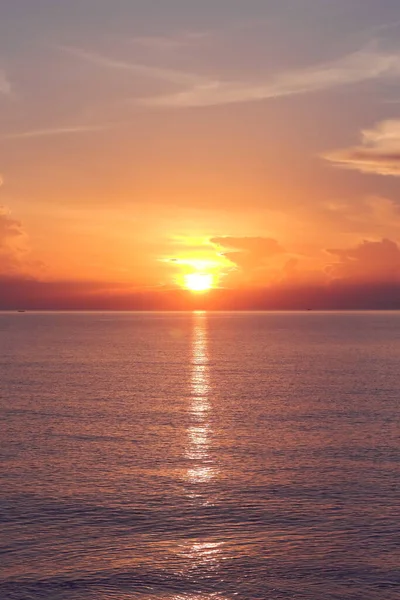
point(194, 456)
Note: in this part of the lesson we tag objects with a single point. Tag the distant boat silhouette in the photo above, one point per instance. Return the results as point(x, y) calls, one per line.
point(22, 311)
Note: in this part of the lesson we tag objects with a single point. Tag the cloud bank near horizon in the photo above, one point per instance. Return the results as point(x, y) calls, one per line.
point(364, 276)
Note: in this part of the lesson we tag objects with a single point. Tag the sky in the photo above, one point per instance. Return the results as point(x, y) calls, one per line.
point(254, 143)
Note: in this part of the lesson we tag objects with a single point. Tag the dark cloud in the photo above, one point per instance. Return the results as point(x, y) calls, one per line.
point(18, 293)
point(23, 292)
point(367, 262)
point(248, 253)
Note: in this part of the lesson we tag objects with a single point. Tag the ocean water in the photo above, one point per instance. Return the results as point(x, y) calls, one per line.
point(194, 456)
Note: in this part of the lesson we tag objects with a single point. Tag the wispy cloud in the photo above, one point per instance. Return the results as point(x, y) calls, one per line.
point(379, 152)
point(37, 133)
point(383, 28)
point(169, 75)
point(351, 69)
point(201, 91)
point(178, 41)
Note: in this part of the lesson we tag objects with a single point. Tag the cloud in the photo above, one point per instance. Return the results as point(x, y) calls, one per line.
point(368, 262)
point(12, 243)
point(169, 75)
point(379, 152)
point(351, 69)
point(17, 292)
point(35, 133)
point(175, 42)
point(14, 248)
point(5, 85)
point(248, 253)
point(9, 228)
point(202, 91)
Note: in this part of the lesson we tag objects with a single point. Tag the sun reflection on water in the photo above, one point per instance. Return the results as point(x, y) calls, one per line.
point(200, 430)
point(203, 554)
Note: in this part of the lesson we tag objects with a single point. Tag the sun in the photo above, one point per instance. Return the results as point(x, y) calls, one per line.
point(199, 282)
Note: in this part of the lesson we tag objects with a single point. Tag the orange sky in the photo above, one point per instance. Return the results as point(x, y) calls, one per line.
point(257, 142)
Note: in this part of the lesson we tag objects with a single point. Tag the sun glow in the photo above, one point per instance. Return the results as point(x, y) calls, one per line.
point(199, 282)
